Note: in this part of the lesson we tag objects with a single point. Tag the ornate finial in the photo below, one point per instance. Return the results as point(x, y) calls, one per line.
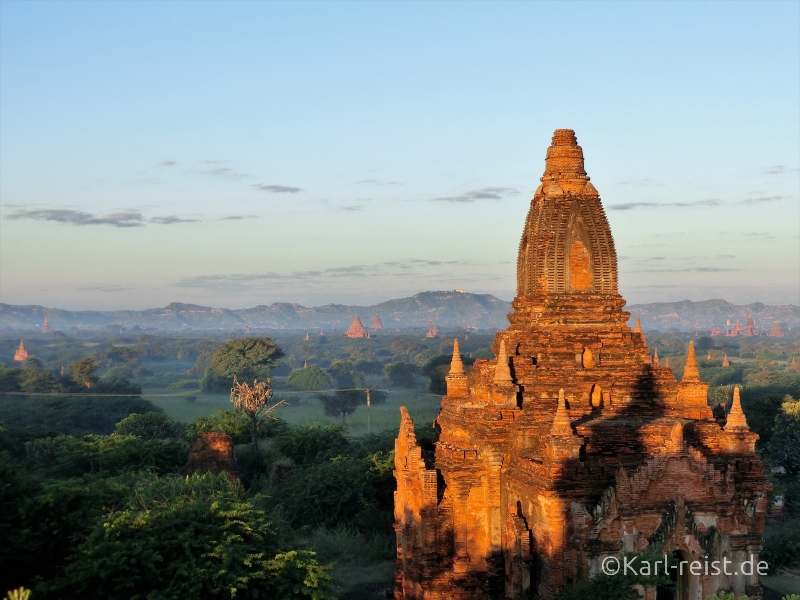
point(666, 363)
point(736, 418)
point(691, 372)
point(564, 157)
point(656, 361)
point(502, 373)
point(561, 424)
point(456, 366)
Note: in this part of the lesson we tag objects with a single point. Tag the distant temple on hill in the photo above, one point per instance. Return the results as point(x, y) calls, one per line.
point(21, 354)
point(750, 329)
point(574, 444)
point(776, 331)
point(376, 322)
point(433, 330)
point(46, 326)
point(357, 330)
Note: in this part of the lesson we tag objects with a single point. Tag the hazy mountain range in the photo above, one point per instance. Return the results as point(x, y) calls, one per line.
point(445, 309)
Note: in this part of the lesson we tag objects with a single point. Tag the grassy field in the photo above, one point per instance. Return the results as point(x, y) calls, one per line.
point(304, 408)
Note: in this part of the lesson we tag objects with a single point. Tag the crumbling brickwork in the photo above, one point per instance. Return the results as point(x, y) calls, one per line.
point(575, 443)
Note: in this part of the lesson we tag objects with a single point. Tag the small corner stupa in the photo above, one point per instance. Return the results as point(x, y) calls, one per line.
point(356, 330)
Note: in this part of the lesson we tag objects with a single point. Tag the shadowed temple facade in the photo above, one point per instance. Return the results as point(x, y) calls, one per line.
point(574, 444)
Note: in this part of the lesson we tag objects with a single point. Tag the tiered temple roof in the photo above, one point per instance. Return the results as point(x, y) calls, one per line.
point(776, 331)
point(573, 444)
point(433, 330)
point(356, 330)
point(21, 354)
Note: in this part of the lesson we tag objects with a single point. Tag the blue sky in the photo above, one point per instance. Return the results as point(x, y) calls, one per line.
point(236, 154)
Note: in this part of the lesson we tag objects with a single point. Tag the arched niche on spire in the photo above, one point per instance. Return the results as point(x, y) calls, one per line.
point(588, 359)
point(596, 396)
point(579, 276)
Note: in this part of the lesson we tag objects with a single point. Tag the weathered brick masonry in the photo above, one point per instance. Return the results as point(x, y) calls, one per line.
point(575, 443)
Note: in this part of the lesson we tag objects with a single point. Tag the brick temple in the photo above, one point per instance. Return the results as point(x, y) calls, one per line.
point(356, 329)
point(574, 443)
point(21, 354)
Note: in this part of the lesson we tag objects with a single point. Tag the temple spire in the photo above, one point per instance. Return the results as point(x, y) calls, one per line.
point(691, 372)
point(637, 328)
point(456, 366)
point(656, 361)
point(456, 380)
point(736, 418)
point(21, 353)
point(502, 373)
point(561, 424)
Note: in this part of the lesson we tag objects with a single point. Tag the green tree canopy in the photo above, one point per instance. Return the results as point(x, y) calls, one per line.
point(247, 358)
point(784, 447)
point(191, 537)
point(310, 377)
point(401, 374)
point(343, 402)
point(84, 372)
point(345, 373)
point(406, 347)
point(149, 426)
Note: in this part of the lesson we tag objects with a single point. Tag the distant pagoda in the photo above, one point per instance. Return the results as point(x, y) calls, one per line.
point(751, 327)
point(356, 330)
point(376, 322)
point(433, 330)
point(47, 329)
point(776, 331)
point(21, 354)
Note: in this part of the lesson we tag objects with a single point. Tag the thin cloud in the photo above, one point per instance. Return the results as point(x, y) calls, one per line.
point(405, 268)
point(224, 172)
point(277, 189)
point(775, 170)
point(760, 200)
point(696, 203)
point(171, 220)
point(487, 193)
point(131, 218)
point(351, 208)
point(237, 217)
point(167, 163)
point(377, 182)
point(109, 289)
